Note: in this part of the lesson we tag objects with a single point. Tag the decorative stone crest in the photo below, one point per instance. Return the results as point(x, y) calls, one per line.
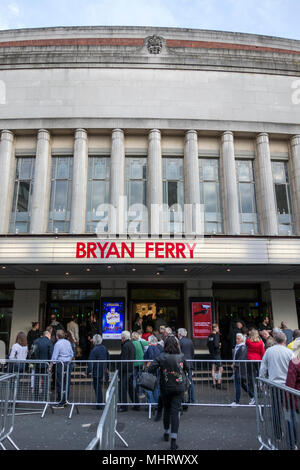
point(154, 44)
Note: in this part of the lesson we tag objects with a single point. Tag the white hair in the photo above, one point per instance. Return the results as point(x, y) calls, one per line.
point(296, 348)
point(125, 334)
point(182, 332)
point(152, 340)
point(169, 330)
point(97, 339)
point(240, 335)
point(279, 336)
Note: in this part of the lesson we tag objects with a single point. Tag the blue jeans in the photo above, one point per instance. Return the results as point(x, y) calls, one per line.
point(152, 397)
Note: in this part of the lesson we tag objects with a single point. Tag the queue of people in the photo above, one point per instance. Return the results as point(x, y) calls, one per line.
point(273, 353)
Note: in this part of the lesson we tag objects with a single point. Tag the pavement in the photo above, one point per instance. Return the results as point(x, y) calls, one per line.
point(201, 428)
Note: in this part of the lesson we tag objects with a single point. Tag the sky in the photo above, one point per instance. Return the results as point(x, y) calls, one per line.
point(268, 17)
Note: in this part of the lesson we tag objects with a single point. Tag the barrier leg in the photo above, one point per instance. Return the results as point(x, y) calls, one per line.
point(12, 443)
point(121, 438)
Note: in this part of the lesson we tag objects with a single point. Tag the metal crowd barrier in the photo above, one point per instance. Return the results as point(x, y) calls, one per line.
point(107, 428)
point(278, 416)
point(8, 390)
point(39, 383)
point(90, 389)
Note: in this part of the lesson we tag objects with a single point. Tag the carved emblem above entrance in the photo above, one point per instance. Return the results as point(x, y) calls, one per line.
point(154, 44)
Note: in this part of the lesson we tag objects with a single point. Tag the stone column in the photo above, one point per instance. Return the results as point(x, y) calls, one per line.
point(7, 175)
point(295, 180)
point(117, 183)
point(283, 300)
point(26, 305)
point(154, 183)
point(264, 187)
point(42, 184)
point(79, 182)
point(229, 190)
point(191, 184)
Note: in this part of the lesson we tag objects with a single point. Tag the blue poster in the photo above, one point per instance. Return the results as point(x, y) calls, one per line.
point(112, 319)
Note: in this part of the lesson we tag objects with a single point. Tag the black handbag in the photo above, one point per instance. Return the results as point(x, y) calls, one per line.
point(148, 381)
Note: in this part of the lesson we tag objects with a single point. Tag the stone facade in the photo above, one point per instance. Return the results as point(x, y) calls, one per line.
point(151, 92)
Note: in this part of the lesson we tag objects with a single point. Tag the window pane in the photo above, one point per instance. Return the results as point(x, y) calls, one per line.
point(100, 168)
point(244, 171)
point(23, 196)
point(279, 172)
point(136, 193)
point(26, 168)
point(209, 170)
point(98, 194)
point(246, 197)
point(173, 170)
point(172, 193)
point(62, 168)
point(281, 199)
point(210, 197)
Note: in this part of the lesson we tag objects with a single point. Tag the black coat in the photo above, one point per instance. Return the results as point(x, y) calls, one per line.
point(241, 368)
point(127, 354)
point(173, 369)
point(187, 348)
point(43, 349)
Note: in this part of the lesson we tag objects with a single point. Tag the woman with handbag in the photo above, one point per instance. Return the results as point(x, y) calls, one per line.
point(173, 382)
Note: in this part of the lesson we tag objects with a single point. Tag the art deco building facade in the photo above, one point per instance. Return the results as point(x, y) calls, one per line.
point(205, 124)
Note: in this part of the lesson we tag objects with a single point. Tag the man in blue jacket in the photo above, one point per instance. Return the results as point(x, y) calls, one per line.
point(98, 353)
point(42, 351)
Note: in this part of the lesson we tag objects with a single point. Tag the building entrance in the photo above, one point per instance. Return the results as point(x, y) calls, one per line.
point(82, 302)
point(6, 304)
point(237, 302)
point(157, 305)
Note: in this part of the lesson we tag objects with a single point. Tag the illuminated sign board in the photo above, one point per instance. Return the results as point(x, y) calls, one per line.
point(112, 311)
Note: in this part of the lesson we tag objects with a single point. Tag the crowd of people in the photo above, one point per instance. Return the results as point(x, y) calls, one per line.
point(168, 355)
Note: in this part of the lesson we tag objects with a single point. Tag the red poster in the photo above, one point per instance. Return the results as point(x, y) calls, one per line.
point(201, 319)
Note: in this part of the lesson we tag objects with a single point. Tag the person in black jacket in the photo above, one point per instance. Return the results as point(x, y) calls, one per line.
point(240, 369)
point(126, 372)
point(173, 382)
point(214, 347)
point(33, 334)
point(187, 348)
point(42, 350)
point(98, 353)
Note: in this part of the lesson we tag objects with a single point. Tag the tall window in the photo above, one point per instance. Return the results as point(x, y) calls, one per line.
point(21, 210)
point(283, 198)
point(136, 178)
point(210, 194)
point(247, 200)
point(61, 191)
point(98, 194)
point(173, 194)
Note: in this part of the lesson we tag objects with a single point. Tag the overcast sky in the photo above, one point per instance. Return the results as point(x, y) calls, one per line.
point(268, 17)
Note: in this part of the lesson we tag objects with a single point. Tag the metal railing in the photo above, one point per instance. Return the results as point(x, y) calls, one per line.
point(107, 428)
point(278, 416)
point(38, 382)
point(82, 383)
point(8, 390)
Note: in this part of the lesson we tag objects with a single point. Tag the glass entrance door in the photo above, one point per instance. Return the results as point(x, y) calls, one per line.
point(65, 310)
